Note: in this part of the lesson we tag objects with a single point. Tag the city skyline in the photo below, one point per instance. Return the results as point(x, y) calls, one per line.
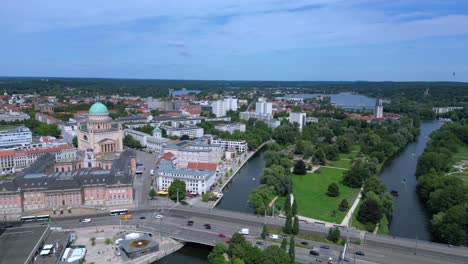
point(237, 40)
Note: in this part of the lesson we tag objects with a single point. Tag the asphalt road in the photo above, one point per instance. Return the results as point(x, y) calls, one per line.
point(142, 182)
point(174, 224)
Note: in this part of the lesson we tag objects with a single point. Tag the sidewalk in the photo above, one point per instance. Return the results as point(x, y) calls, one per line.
point(349, 215)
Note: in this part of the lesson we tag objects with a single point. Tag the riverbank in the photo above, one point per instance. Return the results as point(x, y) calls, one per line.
point(235, 172)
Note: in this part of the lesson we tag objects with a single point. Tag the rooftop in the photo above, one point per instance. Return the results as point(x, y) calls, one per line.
point(19, 242)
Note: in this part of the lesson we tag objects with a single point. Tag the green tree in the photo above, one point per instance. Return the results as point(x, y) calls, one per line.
point(343, 206)
point(216, 255)
point(374, 184)
point(294, 207)
point(275, 255)
point(177, 186)
point(334, 234)
point(295, 228)
point(152, 193)
point(264, 232)
point(333, 190)
point(288, 223)
point(369, 212)
point(260, 198)
point(75, 141)
point(300, 168)
point(292, 249)
point(108, 241)
point(284, 244)
point(344, 144)
point(287, 204)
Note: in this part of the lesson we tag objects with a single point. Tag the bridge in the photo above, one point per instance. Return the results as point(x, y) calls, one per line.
point(378, 248)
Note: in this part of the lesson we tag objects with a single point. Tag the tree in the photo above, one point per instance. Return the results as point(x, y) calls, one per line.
point(177, 186)
point(216, 255)
point(294, 207)
point(343, 206)
point(93, 241)
point(108, 241)
point(284, 244)
point(292, 249)
point(75, 141)
point(334, 234)
point(288, 223)
point(333, 190)
point(152, 193)
point(319, 156)
point(287, 204)
point(369, 212)
point(295, 228)
point(344, 144)
point(275, 255)
point(260, 198)
point(300, 168)
point(264, 232)
point(374, 184)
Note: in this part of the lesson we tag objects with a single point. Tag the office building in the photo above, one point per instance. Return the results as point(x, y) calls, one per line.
point(263, 107)
point(299, 118)
point(231, 127)
point(228, 145)
point(378, 110)
point(20, 136)
point(13, 116)
point(195, 151)
point(218, 108)
point(190, 131)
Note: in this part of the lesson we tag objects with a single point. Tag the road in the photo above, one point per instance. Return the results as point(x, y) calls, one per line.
point(174, 224)
point(142, 183)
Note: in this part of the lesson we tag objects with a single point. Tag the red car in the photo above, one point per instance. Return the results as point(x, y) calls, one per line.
point(221, 235)
point(228, 242)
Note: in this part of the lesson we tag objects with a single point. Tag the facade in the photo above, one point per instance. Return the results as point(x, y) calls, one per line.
point(267, 118)
point(13, 116)
point(190, 131)
point(98, 132)
point(231, 128)
point(263, 107)
point(239, 146)
point(378, 111)
point(20, 136)
point(196, 180)
point(195, 151)
point(16, 160)
point(218, 109)
point(443, 110)
point(47, 119)
point(230, 103)
point(44, 190)
point(299, 118)
point(155, 142)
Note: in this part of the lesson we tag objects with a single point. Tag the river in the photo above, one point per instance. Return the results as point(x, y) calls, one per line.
point(409, 217)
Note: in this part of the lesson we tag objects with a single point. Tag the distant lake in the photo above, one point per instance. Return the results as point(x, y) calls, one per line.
point(343, 99)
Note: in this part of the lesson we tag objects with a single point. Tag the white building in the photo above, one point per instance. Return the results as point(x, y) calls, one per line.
point(218, 108)
point(155, 142)
point(13, 116)
point(231, 127)
point(196, 180)
point(190, 131)
point(443, 110)
point(263, 107)
point(230, 103)
point(195, 151)
point(299, 118)
point(239, 146)
point(378, 111)
point(267, 118)
point(15, 137)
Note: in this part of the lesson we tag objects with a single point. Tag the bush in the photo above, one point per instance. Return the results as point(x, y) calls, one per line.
point(334, 234)
point(333, 190)
point(108, 241)
point(300, 168)
point(369, 212)
point(209, 197)
point(343, 206)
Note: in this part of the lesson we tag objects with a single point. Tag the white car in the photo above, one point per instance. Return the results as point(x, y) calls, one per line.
point(118, 241)
point(275, 237)
point(85, 220)
point(158, 216)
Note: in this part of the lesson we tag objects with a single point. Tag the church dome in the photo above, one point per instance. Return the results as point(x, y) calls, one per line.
point(98, 108)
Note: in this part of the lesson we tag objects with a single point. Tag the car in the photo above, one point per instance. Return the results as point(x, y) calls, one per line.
point(228, 242)
point(345, 259)
point(325, 246)
point(360, 253)
point(190, 223)
point(260, 243)
point(85, 220)
point(117, 242)
point(275, 237)
point(221, 235)
point(305, 243)
point(158, 216)
point(314, 253)
point(207, 226)
point(142, 217)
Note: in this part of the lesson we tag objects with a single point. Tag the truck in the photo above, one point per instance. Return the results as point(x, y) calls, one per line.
point(126, 217)
point(244, 231)
point(152, 172)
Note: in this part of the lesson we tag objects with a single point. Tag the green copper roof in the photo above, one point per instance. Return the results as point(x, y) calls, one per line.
point(98, 108)
point(156, 129)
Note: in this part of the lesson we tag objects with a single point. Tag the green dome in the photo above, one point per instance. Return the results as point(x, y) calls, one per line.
point(156, 129)
point(98, 108)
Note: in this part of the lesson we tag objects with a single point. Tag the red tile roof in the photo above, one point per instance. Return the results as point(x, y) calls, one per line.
point(166, 156)
point(7, 153)
point(202, 166)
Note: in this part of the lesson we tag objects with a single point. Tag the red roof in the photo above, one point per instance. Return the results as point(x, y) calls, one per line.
point(42, 150)
point(7, 153)
point(166, 156)
point(192, 109)
point(202, 166)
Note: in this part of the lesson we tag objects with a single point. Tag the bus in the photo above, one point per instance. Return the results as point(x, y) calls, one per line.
point(33, 218)
point(119, 212)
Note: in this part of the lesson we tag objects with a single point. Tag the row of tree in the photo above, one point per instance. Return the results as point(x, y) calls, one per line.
point(445, 195)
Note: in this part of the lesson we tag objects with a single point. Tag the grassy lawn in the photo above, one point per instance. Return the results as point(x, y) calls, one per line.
point(310, 192)
point(341, 163)
point(311, 237)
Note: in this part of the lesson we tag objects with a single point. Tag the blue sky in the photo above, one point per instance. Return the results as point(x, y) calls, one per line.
point(375, 40)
